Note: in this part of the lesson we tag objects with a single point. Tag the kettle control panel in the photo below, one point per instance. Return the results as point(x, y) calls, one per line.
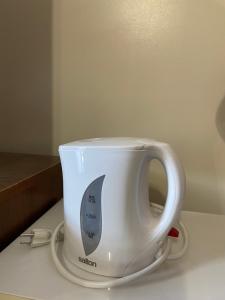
point(91, 215)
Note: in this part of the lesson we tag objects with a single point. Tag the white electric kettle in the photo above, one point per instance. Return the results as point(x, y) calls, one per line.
point(109, 226)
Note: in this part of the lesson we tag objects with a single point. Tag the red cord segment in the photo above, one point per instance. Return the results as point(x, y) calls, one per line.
point(173, 232)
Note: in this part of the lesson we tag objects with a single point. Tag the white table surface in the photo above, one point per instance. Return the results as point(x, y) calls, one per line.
point(200, 274)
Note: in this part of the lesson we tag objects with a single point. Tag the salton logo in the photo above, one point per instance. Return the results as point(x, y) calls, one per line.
point(87, 261)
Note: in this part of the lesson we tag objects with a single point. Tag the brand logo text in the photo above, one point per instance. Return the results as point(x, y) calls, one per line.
point(87, 261)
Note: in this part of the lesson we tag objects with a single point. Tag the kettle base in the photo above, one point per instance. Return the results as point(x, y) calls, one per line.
point(80, 272)
point(85, 268)
point(91, 280)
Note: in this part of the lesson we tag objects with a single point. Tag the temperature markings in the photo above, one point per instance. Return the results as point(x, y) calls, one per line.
point(91, 199)
point(90, 234)
point(90, 216)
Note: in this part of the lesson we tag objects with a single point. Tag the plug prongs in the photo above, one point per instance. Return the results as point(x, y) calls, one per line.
point(29, 235)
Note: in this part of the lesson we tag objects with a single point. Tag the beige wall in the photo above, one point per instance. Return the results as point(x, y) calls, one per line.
point(25, 76)
point(120, 68)
point(149, 69)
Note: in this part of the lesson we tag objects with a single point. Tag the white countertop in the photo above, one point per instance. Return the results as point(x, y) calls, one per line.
point(200, 274)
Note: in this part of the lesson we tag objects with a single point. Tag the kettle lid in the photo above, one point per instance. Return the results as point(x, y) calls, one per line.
point(108, 143)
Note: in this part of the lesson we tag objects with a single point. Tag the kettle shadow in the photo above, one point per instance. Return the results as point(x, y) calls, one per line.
point(220, 119)
point(156, 283)
point(175, 274)
point(201, 246)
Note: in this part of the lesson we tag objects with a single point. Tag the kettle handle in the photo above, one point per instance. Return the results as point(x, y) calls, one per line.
point(175, 183)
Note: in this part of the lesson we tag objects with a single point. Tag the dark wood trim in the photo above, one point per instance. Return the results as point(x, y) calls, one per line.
point(34, 186)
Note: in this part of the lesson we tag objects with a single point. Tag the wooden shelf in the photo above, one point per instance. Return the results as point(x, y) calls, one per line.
point(29, 185)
